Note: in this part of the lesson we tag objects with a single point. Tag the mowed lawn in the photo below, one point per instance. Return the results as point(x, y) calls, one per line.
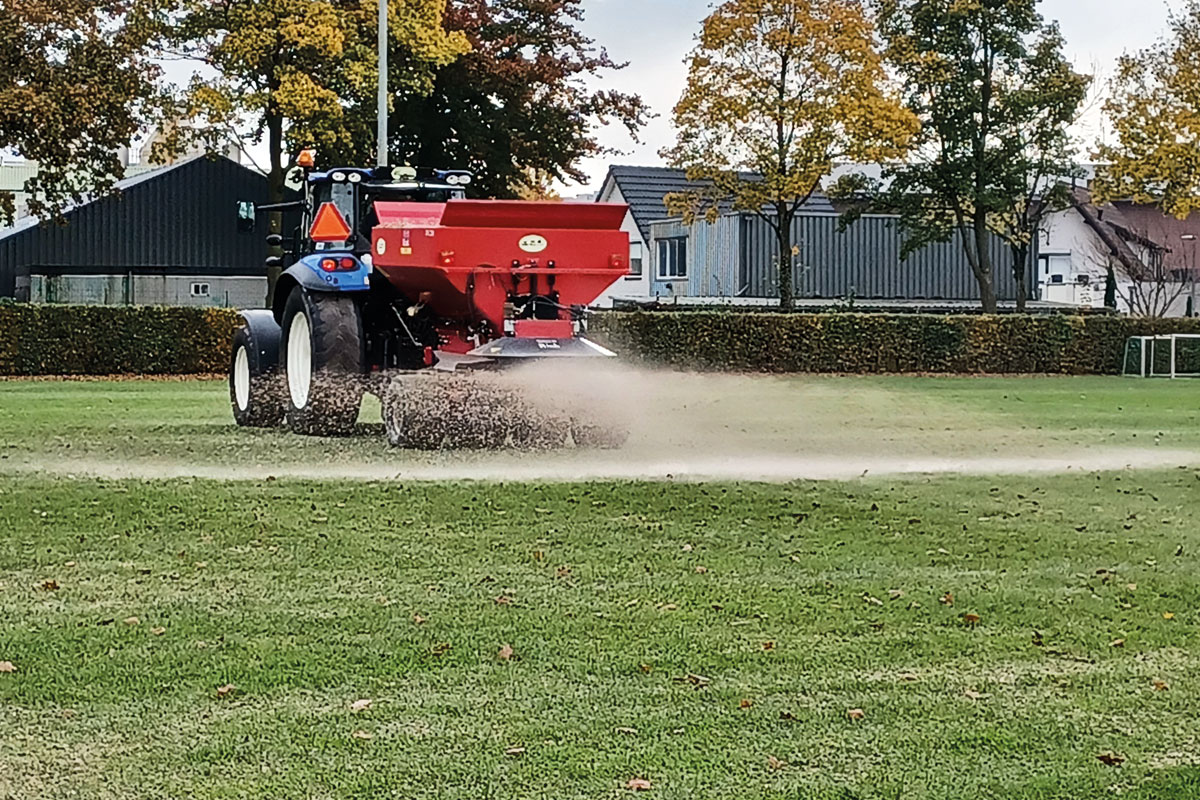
point(949, 637)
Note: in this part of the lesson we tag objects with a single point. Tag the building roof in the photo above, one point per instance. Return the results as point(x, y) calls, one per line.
point(128, 182)
point(181, 217)
point(645, 187)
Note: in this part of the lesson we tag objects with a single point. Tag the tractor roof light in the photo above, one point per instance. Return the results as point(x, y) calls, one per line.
point(307, 159)
point(354, 177)
point(401, 174)
point(337, 177)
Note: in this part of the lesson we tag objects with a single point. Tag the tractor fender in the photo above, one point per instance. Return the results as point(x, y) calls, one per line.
point(307, 272)
point(264, 334)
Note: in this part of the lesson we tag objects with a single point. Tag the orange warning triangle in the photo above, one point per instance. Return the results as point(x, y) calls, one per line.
point(329, 225)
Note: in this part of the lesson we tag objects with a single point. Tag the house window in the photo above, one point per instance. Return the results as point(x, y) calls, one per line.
point(200, 290)
point(635, 260)
point(672, 258)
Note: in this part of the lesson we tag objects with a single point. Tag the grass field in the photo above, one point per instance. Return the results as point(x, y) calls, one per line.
point(212, 639)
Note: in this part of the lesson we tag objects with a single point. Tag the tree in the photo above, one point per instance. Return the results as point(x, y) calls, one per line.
point(515, 107)
point(1153, 110)
point(287, 69)
point(778, 92)
point(76, 85)
point(994, 94)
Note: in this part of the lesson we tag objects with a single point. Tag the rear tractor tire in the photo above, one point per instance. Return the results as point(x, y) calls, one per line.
point(323, 362)
point(255, 388)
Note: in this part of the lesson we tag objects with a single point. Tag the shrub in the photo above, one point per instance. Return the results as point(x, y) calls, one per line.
point(104, 340)
point(866, 343)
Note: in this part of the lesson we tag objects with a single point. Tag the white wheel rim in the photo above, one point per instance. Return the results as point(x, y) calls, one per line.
point(299, 360)
point(241, 379)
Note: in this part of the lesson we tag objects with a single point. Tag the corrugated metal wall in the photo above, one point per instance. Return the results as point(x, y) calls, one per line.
point(183, 219)
point(863, 261)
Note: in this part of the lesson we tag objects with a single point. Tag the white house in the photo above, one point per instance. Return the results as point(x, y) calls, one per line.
point(1153, 256)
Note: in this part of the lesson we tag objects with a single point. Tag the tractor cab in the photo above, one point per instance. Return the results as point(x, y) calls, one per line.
point(354, 193)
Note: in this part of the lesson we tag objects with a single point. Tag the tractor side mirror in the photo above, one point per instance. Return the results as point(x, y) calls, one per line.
point(246, 216)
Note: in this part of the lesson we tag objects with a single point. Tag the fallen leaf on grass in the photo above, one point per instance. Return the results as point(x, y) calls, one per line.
point(701, 570)
point(687, 548)
point(505, 653)
point(1168, 615)
point(971, 694)
point(514, 751)
point(440, 649)
point(638, 785)
point(132, 621)
point(1161, 686)
point(668, 607)
point(895, 594)
point(563, 572)
point(775, 764)
point(7, 666)
point(694, 679)
point(856, 713)
point(504, 600)
point(746, 703)
point(645, 668)
point(1110, 758)
point(363, 735)
point(1131, 587)
point(971, 619)
point(69, 564)
point(872, 601)
point(947, 599)
point(787, 716)
point(768, 645)
point(49, 585)
point(1117, 643)
point(418, 619)
point(226, 690)
point(360, 705)
point(159, 631)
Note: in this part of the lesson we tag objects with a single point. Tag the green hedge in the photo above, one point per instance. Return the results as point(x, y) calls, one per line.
point(866, 343)
point(102, 340)
point(109, 340)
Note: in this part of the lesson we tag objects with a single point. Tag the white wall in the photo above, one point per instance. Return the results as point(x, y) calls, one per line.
point(637, 288)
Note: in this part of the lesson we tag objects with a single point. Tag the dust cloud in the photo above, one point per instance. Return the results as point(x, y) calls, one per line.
point(679, 426)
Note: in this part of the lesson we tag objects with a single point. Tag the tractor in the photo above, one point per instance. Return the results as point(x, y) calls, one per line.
point(402, 287)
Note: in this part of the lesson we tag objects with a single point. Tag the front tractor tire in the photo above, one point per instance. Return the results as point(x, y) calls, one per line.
point(255, 388)
point(323, 358)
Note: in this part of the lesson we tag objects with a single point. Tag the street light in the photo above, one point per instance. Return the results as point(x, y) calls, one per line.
point(381, 134)
point(1191, 237)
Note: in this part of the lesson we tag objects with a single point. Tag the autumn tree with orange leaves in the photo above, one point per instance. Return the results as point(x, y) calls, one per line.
point(778, 92)
point(77, 83)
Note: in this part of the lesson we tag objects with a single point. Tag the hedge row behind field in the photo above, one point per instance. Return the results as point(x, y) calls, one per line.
point(871, 343)
point(102, 340)
point(109, 340)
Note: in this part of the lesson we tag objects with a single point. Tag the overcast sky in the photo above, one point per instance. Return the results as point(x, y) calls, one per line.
point(655, 36)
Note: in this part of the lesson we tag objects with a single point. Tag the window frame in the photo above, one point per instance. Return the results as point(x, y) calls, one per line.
point(665, 245)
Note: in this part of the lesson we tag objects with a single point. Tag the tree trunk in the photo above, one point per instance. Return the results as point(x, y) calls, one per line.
point(274, 195)
point(984, 272)
point(783, 233)
point(1020, 273)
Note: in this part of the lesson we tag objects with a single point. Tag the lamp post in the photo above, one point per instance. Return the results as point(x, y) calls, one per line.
point(1191, 238)
point(381, 134)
